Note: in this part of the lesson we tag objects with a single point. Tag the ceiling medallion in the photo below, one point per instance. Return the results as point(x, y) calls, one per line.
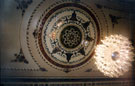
point(114, 57)
point(70, 37)
point(67, 35)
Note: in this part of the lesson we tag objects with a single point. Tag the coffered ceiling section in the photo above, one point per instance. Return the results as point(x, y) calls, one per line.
point(57, 37)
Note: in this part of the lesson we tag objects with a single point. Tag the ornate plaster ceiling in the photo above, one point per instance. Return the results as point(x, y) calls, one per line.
point(62, 36)
point(57, 38)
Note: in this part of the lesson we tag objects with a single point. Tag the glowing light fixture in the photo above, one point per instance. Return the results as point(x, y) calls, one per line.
point(114, 56)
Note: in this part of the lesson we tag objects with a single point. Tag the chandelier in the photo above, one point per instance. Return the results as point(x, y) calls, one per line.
point(114, 56)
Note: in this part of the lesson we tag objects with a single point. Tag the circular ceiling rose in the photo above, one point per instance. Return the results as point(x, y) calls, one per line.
point(65, 35)
point(70, 37)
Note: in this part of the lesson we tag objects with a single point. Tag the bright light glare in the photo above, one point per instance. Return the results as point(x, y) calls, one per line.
point(114, 56)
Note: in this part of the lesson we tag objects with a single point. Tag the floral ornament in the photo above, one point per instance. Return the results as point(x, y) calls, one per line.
point(71, 37)
point(23, 5)
point(114, 56)
point(20, 58)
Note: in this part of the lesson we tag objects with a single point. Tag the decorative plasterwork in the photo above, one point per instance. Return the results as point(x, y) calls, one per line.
point(67, 42)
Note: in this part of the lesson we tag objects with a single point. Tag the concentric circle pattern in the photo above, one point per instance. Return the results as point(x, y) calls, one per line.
point(65, 35)
point(71, 37)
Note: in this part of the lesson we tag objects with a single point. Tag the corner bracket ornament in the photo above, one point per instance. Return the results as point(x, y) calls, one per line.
point(23, 5)
point(20, 58)
point(114, 19)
